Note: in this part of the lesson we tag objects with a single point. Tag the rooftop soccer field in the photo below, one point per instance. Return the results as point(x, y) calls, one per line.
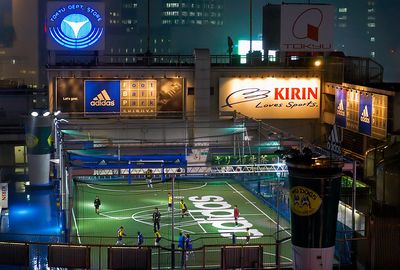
point(209, 221)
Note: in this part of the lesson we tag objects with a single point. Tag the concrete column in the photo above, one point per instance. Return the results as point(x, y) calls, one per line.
point(202, 103)
point(202, 74)
point(38, 132)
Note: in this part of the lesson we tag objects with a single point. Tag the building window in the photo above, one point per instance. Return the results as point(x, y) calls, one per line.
point(372, 39)
point(373, 54)
point(371, 25)
point(190, 91)
point(342, 10)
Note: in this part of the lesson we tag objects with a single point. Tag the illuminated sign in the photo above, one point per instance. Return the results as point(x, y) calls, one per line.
point(271, 98)
point(365, 114)
point(4, 195)
point(133, 97)
point(304, 201)
point(362, 112)
point(341, 105)
point(307, 27)
point(102, 96)
point(75, 26)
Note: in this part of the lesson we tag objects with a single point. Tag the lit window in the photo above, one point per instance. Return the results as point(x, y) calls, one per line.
point(342, 10)
point(373, 54)
point(371, 25)
point(372, 39)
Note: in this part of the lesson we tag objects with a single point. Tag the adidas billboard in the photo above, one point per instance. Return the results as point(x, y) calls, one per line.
point(102, 96)
point(341, 106)
point(365, 114)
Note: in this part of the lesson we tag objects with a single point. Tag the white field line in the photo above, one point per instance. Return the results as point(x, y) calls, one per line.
point(134, 208)
point(197, 222)
point(255, 206)
point(76, 226)
point(143, 190)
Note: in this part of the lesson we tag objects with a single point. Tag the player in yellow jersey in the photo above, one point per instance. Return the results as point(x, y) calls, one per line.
point(184, 209)
point(169, 202)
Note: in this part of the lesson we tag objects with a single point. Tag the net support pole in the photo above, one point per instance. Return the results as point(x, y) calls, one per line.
point(172, 223)
point(129, 173)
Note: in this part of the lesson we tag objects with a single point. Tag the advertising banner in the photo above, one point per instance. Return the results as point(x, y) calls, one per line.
point(271, 98)
point(39, 140)
point(70, 95)
point(307, 28)
point(102, 96)
point(341, 106)
point(75, 25)
point(133, 97)
point(365, 114)
point(4, 195)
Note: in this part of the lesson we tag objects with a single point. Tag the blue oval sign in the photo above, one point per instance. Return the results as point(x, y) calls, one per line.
point(75, 26)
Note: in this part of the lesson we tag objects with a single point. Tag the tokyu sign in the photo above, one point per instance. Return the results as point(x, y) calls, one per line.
point(271, 98)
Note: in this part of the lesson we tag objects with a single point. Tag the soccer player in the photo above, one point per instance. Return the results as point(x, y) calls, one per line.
point(184, 208)
point(181, 241)
point(157, 236)
point(97, 204)
point(169, 202)
point(236, 214)
point(189, 246)
point(248, 234)
point(139, 239)
point(149, 178)
point(156, 219)
point(120, 235)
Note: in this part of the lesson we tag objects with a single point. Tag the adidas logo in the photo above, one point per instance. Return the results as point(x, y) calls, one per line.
point(333, 141)
point(340, 109)
point(102, 99)
point(365, 115)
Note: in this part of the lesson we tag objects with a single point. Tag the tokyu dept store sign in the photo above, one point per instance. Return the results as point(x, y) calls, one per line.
point(271, 98)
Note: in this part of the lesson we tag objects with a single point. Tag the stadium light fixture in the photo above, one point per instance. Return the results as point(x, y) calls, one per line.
point(317, 63)
point(47, 113)
point(57, 113)
point(35, 114)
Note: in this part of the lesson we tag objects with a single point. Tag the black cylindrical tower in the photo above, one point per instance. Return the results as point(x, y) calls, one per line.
point(314, 197)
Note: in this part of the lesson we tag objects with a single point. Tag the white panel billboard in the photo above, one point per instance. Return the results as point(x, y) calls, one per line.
point(4, 195)
point(307, 28)
point(271, 98)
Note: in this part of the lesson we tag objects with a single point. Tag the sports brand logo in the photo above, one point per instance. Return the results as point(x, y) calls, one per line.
point(341, 105)
point(102, 96)
point(340, 109)
point(75, 26)
point(333, 143)
point(102, 99)
point(365, 115)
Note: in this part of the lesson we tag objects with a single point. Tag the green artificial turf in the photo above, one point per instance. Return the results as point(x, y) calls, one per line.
point(132, 205)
